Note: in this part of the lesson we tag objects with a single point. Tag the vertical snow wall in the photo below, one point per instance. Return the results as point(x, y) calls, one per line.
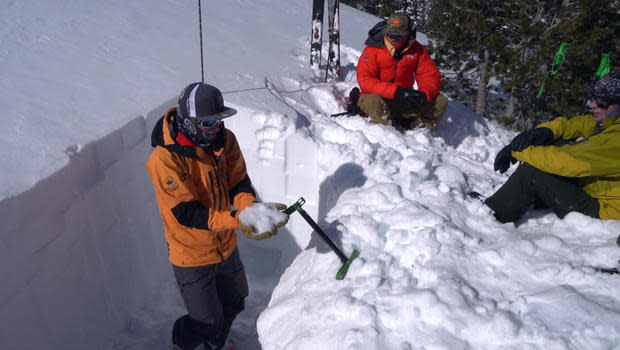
point(83, 251)
point(81, 248)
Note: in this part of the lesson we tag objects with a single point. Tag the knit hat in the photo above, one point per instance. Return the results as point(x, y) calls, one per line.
point(398, 24)
point(606, 88)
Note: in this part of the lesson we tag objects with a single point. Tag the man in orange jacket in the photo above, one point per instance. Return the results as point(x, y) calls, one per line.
point(204, 194)
point(389, 65)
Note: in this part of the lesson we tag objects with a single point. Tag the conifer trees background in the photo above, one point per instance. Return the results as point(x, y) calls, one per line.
point(496, 53)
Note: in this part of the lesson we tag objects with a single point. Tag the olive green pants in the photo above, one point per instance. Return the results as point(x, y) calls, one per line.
point(381, 110)
point(529, 185)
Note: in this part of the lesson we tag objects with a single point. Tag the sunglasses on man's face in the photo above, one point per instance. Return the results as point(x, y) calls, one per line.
point(208, 123)
point(395, 37)
point(601, 102)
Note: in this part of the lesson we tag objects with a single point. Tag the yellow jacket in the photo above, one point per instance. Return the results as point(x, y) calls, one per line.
point(196, 189)
point(592, 157)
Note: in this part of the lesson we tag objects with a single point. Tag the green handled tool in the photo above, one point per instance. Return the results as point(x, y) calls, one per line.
point(553, 70)
point(342, 272)
point(603, 67)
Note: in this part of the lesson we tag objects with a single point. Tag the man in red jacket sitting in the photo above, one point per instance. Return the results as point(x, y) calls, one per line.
point(389, 65)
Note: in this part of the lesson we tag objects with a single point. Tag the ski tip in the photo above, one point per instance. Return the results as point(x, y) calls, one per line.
point(342, 273)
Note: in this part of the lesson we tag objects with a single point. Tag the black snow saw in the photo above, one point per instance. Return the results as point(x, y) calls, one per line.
point(346, 262)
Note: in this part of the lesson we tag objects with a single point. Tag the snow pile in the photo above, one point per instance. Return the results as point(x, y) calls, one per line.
point(437, 271)
point(263, 217)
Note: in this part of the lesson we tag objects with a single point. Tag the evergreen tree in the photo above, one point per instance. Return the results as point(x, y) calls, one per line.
point(418, 10)
point(589, 27)
point(467, 38)
point(515, 41)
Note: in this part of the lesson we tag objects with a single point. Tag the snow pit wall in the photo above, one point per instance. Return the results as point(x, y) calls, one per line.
point(83, 249)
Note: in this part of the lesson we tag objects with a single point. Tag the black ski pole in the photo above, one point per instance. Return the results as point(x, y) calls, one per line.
point(339, 114)
point(342, 272)
point(202, 70)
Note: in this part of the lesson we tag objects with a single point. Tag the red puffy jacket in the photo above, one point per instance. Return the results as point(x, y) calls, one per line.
point(378, 72)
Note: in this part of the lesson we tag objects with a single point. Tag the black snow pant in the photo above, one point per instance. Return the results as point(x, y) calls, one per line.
point(529, 185)
point(213, 296)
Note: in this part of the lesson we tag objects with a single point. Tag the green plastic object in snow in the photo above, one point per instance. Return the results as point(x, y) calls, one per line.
point(603, 67)
point(346, 262)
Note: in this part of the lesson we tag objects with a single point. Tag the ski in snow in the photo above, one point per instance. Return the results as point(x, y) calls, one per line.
point(316, 36)
point(333, 54)
point(606, 270)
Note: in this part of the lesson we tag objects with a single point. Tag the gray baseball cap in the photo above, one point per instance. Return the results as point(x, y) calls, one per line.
point(203, 102)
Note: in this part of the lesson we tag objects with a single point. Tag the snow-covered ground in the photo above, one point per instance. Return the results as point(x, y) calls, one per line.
point(84, 262)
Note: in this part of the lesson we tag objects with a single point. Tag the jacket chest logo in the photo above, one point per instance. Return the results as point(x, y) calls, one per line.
point(171, 185)
point(408, 58)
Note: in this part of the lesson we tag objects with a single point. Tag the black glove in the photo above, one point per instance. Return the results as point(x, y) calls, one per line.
point(503, 159)
point(354, 96)
point(535, 137)
point(410, 99)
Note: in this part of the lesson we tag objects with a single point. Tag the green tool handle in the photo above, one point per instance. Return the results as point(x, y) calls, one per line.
point(555, 67)
point(603, 67)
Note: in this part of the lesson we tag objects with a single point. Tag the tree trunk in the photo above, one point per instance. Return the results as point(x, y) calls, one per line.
point(481, 98)
point(510, 109)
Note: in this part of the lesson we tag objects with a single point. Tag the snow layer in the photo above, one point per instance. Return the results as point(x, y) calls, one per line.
point(83, 254)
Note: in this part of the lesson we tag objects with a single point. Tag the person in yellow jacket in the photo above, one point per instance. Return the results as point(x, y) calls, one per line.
point(567, 164)
point(204, 194)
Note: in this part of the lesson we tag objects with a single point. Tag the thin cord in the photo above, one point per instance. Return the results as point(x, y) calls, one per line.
point(202, 69)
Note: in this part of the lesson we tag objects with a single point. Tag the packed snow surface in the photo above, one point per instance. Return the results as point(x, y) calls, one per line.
point(84, 257)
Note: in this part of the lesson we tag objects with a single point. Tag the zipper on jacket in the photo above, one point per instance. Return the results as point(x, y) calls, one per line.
point(397, 59)
point(219, 186)
point(211, 180)
point(220, 183)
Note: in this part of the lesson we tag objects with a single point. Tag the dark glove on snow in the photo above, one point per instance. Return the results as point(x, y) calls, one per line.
point(503, 160)
point(354, 96)
point(535, 137)
point(410, 99)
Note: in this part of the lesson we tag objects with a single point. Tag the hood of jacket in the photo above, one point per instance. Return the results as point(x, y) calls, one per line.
point(376, 35)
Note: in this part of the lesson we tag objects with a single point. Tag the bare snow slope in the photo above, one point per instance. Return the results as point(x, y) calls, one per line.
point(74, 71)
